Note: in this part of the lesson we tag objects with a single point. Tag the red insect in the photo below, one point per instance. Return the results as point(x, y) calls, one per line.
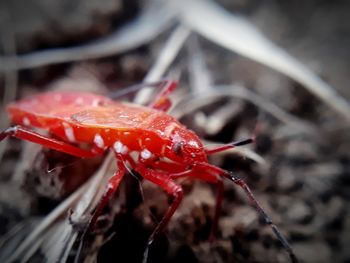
point(165, 149)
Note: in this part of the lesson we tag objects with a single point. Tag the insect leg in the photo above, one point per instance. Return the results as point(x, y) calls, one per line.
point(254, 203)
point(21, 133)
point(219, 195)
point(166, 166)
point(162, 101)
point(164, 181)
point(112, 187)
point(218, 205)
point(267, 219)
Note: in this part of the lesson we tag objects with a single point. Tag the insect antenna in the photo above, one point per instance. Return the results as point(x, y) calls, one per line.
point(230, 145)
point(241, 183)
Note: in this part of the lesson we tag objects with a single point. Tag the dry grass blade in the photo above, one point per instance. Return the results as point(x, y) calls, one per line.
point(219, 118)
point(81, 201)
point(143, 29)
point(200, 77)
point(59, 234)
point(195, 101)
point(60, 239)
point(165, 58)
point(10, 241)
point(237, 34)
point(10, 75)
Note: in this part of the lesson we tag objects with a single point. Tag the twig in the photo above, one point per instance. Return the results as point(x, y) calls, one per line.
point(165, 58)
point(195, 101)
point(80, 198)
point(154, 20)
point(220, 117)
point(237, 34)
point(10, 90)
point(225, 29)
point(200, 77)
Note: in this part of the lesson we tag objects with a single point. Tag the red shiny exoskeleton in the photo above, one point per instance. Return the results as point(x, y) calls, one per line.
point(164, 148)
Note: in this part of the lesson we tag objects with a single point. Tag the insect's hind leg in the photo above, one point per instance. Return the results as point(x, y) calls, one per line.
point(219, 197)
point(31, 136)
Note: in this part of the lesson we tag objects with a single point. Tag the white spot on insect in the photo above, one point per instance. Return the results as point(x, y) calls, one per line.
point(194, 144)
point(147, 139)
point(107, 130)
point(26, 121)
point(160, 133)
point(120, 148)
point(177, 138)
point(79, 101)
point(126, 133)
point(12, 129)
point(69, 132)
point(57, 97)
point(145, 154)
point(98, 141)
point(95, 102)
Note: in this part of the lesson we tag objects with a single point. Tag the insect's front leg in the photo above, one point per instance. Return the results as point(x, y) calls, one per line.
point(242, 184)
point(163, 180)
point(175, 171)
point(112, 187)
point(213, 179)
point(61, 146)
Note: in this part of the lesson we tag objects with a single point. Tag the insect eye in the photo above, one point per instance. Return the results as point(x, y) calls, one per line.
point(98, 103)
point(102, 103)
point(178, 148)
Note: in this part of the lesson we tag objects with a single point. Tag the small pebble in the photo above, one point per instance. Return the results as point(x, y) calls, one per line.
point(299, 212)
point(243, 217)
point(312, 252)
point(286, 179)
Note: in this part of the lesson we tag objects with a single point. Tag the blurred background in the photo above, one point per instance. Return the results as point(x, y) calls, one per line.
point(277, 70)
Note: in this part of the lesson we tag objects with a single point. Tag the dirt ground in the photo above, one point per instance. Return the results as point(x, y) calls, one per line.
point(303, 183)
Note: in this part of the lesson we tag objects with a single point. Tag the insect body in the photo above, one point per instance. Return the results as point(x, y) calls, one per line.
point(165, 149)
